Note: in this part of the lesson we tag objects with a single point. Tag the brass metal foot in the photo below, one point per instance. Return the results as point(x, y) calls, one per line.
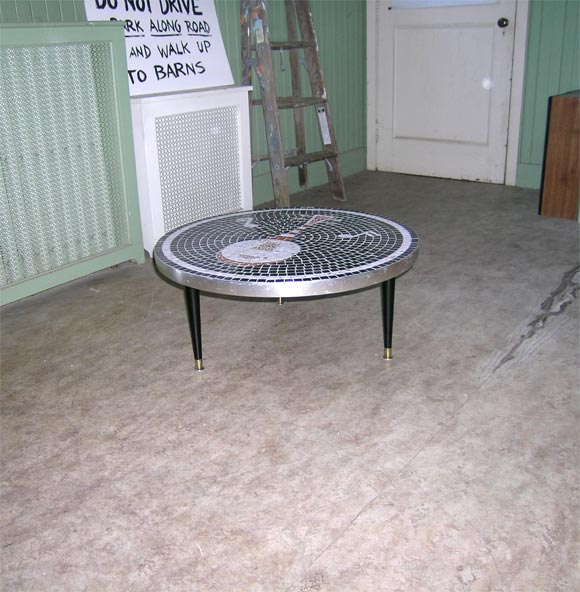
point(199, 364)
point(388, 355)
point(280, 302)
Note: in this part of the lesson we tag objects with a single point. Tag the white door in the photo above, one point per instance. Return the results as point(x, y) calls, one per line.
point(443, 88)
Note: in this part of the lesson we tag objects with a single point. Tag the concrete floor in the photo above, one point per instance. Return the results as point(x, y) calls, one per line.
point(299, 459)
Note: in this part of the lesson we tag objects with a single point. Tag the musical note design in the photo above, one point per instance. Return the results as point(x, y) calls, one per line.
point(367, 233)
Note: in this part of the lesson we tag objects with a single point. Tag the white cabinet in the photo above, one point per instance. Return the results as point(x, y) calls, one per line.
point(193, 157)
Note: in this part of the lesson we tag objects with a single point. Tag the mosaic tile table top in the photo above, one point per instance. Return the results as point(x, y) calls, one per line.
point(286, 252)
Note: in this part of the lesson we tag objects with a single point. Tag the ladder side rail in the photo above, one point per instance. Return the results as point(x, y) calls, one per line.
point(246, 41)
point(265, 73)
point(316, 77)
point(246, 47)
point(295, 75)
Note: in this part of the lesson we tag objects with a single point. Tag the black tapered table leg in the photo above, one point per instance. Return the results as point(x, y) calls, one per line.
point(194, 320)
point(388, 304)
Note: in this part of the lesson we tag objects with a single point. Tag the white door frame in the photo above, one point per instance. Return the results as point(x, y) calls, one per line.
point(516, 96)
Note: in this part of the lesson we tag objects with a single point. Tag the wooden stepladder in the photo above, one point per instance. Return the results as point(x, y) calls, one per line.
point(257, 54)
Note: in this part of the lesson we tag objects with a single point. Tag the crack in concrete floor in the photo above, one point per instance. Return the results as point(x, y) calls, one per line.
point(554, 305)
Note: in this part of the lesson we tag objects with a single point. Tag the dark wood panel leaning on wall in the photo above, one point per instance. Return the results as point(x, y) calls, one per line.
point(559, 193)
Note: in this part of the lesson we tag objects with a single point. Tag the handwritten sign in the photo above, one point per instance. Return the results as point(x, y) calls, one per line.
point(172, 45)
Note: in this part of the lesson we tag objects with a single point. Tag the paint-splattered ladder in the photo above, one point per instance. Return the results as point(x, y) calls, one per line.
point(256, 42)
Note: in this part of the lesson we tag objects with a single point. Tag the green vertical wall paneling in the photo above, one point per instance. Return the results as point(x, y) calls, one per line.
point(531, 83)
point(552, 67)
point(550, 53)
point(569, 75)
point(41, 11)
point(8, 12)
point(228, 12)
point(341, 32)
point(53, 11)
point(24, 11)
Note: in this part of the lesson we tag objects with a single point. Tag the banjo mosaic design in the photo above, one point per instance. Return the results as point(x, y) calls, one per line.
point(286, 252)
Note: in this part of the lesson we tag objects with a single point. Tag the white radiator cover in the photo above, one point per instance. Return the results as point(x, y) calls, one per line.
point(193, 157)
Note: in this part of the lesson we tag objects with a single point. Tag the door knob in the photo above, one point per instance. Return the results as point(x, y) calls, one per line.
point(503, 22)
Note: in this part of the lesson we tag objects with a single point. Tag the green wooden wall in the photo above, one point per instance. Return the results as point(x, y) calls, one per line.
point(341, 32)
point(552, 67)
point(42, 11)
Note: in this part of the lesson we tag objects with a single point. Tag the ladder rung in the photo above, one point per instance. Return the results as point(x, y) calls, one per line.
point(259, 158)
point(300, 159)
point(291, 44)
point(291, 159)
point(293, 102)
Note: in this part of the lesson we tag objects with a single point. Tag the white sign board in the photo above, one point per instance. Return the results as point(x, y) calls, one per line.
point(172, 45)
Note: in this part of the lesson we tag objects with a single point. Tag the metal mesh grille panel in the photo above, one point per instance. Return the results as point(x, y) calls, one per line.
point(199, 164)
point(61, 191)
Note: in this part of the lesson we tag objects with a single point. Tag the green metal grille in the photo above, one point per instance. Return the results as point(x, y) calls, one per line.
point(61, 184)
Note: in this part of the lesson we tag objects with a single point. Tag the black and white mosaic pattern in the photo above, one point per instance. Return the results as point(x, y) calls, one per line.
point(284, 246)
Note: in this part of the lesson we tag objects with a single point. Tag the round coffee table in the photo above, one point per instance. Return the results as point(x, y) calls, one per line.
point(286, 253)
